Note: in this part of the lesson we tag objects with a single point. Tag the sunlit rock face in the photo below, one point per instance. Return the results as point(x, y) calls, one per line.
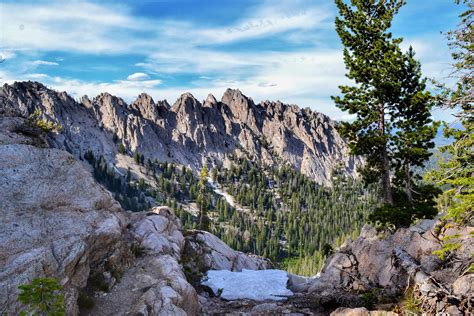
point(189, 132)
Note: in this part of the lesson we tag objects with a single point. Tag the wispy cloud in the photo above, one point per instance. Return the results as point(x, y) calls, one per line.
point(94, 28)
point(4, 55)
point(78, 26)
point(45, 63)
point(265, 23)
point(138, 76)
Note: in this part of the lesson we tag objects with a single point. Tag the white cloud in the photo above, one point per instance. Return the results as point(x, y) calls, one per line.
point(267, 84)
point(79, 26)
point(44, 63)
point(36, 76)
point(265, 23)
point(138, 76)
point(88, 27)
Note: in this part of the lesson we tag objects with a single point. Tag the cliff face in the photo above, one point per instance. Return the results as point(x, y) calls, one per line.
point(56, 221)
point(189, 132)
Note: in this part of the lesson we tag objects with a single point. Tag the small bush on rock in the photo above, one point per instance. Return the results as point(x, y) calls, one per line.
point(45, 125)
point(42, 297)
point(370, 298)
point(97, 282)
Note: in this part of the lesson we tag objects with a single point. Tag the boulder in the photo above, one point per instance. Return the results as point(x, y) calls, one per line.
point(155, 284)
point(204, 251)
point(368, 261)
point(298, 283)
point(342, 311)
point(265, 308)
point(464, 286)
point(360, 311)
point(158, 231)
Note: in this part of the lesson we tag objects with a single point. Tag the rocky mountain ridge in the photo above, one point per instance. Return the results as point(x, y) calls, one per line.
point(189, 132)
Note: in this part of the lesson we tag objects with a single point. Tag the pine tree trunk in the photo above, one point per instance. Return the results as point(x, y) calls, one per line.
point(387, 190)
point(408, 183)
point(201, 211)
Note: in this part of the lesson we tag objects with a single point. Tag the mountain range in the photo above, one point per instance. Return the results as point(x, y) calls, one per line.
point(190, 133)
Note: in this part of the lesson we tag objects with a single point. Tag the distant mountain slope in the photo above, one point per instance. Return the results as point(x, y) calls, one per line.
point(190, 133)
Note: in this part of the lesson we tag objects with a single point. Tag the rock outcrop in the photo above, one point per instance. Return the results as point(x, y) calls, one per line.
point(189, 132)
point(56, 221)
point(155, 284)
point(391, 263)
point(360, 311)
point(204, 251)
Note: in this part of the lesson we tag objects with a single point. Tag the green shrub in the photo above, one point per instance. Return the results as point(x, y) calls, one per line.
point(449, 245)
point(42, 297)
point(43, 124)
point(410, 304)
point(121, 149)
point(84, 301)
point(370, 298)
point(327, 250)
point(138, 250)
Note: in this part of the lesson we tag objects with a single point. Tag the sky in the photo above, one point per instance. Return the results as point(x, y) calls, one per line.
point(270, 50)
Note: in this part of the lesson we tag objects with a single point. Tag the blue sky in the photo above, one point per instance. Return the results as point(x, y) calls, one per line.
point(286, 50)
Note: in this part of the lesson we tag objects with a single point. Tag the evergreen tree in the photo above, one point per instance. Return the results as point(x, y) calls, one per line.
point(202, 199)
point(457, 171)
point(42, 297)
point(415, 130)
point(393, 128)
point(373, 59)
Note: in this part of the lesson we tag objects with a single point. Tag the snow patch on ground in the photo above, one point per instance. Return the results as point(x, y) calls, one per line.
point(217, 190)
point(258, 285)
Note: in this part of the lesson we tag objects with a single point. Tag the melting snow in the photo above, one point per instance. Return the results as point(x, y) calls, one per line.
point(258, 285)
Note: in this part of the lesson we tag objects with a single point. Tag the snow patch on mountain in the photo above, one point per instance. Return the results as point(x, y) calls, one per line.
point(229, 198)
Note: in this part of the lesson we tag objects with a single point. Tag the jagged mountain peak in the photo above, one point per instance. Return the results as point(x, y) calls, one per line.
point(144, 98)
point(187, 103)
point(86, 101)
point(210, 101)
point(190, 133)
point(110, 97)
point(233, 96)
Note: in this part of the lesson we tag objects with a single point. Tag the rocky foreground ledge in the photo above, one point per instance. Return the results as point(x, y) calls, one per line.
point(56, 221)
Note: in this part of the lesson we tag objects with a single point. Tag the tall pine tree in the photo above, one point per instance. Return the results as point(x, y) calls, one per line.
point(393, 129)
point(372, 57)
point(202, 199)
point(414, 130)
